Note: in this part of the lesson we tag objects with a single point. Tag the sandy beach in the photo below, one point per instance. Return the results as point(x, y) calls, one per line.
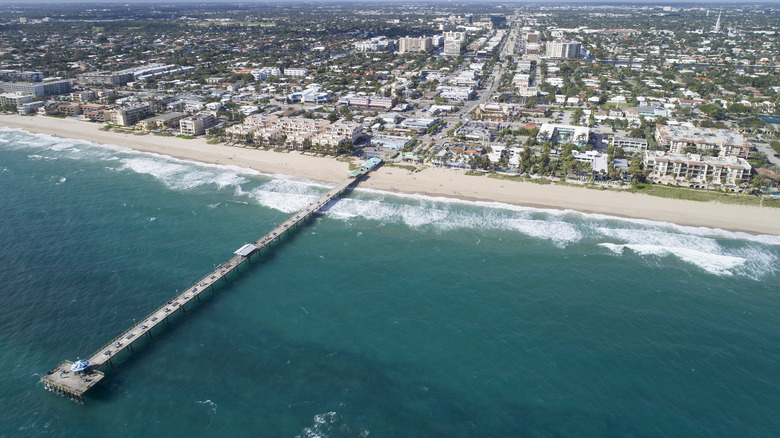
point(430, 181)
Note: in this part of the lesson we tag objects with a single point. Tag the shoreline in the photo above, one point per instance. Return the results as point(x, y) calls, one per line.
point(434, 182)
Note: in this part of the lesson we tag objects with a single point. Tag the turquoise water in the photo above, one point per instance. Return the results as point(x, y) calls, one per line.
point(385, 316)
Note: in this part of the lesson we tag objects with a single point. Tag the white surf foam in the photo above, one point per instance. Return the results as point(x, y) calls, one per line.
point(322, 426)
point(283, 194)
point(181, 176)
point(718, 264)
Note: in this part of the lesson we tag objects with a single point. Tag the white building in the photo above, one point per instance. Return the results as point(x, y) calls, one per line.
point(262, 73)
point(598, 162)
point(556, 134)
point(693, 170)
point(521, 80)
point(376, 44)
point(15, 100)
point(452, 47)
point(197, 124)
point(129, 115)
point(456, 93)
point(563, 49)
point(723, 142)
point(296, 72)
point(338, 133)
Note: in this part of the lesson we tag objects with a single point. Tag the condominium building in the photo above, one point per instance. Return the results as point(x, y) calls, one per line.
point(452, 47)
point(296, 72)
point(96, 112)
point(413, 45)
point(262, 73)
point(129, 115)
point(106, 78)
point(456, 36)
point(630, 144)
point(338, 133)
point(710, 141)
point(693, 170)
point(197, 124)
point(15, 99)
point(563, 49)
point(69, 109)
point(376, 44)
point(162, 121)
point(16, 75)
point(39, 89)
point(294, 132)
point(84, 96)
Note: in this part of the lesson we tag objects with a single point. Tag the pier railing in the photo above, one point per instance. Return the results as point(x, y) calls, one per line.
point(74, 384)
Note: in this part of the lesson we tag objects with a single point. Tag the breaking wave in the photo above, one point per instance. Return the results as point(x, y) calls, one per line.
point(715, 251)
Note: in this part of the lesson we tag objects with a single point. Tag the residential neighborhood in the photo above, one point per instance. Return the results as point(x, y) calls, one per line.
point(628, 94)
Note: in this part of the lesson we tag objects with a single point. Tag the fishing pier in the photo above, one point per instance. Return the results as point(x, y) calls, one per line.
point(73, 379)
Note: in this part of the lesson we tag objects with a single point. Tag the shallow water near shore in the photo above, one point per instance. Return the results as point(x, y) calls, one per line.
point(385, 316)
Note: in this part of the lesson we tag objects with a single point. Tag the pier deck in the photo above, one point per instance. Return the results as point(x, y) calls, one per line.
point(61, 379)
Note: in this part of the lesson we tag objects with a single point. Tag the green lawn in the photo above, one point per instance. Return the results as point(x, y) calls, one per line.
point(704, 196)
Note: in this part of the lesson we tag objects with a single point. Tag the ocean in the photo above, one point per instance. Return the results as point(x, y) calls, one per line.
point(387, 315)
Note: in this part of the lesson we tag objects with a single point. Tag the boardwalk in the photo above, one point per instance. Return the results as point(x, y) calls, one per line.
point(74, 384)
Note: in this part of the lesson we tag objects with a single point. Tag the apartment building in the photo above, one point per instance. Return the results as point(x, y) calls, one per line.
point(630, 144)
point(414, 45)
point(120, 78)
point(563, 49)
point(197, 124)
point(84, 96)
point(709, 141)
point(296, 132)
point(129, 115)
point(262, 73)
point(161, 122)
point(296, 72)
point(69, 109)
point(39, 89)
point(694, 170)
point(376, 44)
point(338, 133)
point(17, 75)
point(15, 99)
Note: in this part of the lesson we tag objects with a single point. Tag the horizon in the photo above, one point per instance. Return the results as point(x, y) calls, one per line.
point(677, 3)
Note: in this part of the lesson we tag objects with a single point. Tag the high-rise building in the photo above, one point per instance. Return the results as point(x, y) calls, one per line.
point(411, 44)
point(563, 49)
